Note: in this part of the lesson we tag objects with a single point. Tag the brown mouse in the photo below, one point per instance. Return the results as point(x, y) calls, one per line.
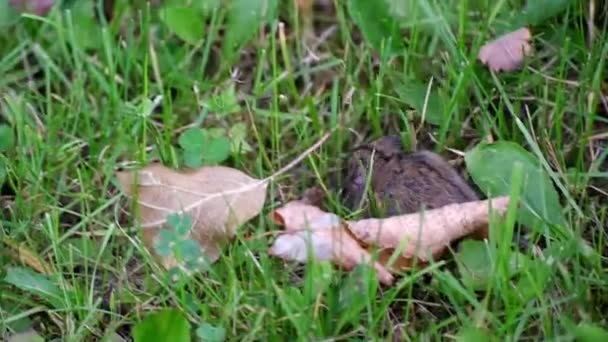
point(402, 183)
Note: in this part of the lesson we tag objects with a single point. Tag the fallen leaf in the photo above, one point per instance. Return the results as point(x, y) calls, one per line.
point(218, 198)
point(507, 52)
point(348, 243)
point(28, 257)
point(306, 225)
point(428, 233)
point(37, 7)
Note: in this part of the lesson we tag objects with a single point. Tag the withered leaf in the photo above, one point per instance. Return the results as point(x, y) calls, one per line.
point(507, 52)
point(426, 234)
point(28, 257)
point(417, 236)
point(38, 7)
point(327, 235)
point(218, 198)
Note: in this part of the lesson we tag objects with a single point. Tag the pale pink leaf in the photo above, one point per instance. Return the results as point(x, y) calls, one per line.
point(507, 52)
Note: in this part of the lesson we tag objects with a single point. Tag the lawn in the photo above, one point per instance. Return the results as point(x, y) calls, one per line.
point(89, 91)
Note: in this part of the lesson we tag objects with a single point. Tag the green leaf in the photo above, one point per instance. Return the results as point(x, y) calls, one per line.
point(164, 325)
point(216, 150)
point(414, 93)
point(112, 336)
point(181, 224)
point(244, 20)
point(587, 332)
point(2, 171)
point(378, 26)
point(207, 7)
point(412, 13)
point(189, 249)
point(538, 11)
point(203, 147)
point(33, 282)
point(81, 249)
point(193, 142)
point(175, 274)
point(491, 166)
point(164, 242)
point(177, 243)
point(533, 281)
point(8, 14)
point(204, 7)
point(225, 103)
point(475, 264)
point(193, 158)
point(238, 135)
point(194, 265)
point(474, 334)
point(186, 23)
point(86, 28)
point(209, 333)
point(357, 290)
point(20, 322)
point(6, 138)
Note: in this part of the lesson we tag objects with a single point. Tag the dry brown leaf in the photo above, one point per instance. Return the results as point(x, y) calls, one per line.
point(507, 52)
point(429, 233)
point(305, 5)
point(417, 236)
point(218, 198)
point(306, 225)
point(28, 257)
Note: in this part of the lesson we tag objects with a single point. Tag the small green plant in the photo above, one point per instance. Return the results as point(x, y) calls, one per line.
point(200, 147)
point(224, 103)
point(210, 333)
point(6, 138)
point(184, 22)
point(176, 243)
point(476, 264)
point(164, 325)
point(378, 26)
point(35, 283)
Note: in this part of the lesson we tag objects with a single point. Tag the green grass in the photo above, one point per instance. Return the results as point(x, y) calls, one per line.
point(80, 114)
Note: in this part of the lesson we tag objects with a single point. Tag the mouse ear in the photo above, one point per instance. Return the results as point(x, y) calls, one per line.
point(388, 146)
